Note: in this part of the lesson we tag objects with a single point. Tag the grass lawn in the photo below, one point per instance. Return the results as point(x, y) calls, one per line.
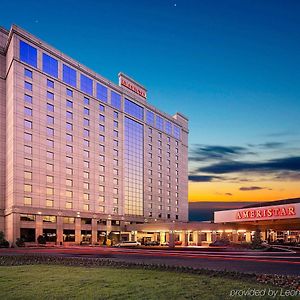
point(61, 282)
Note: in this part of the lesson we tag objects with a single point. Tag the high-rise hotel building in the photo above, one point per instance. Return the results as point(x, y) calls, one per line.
point(82, 157)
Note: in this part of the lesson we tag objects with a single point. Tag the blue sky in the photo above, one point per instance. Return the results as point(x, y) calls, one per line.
point(231, 66)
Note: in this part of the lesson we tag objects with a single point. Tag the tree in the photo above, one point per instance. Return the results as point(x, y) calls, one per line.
point(3, 242)
point(257, 241)
point(41, 240)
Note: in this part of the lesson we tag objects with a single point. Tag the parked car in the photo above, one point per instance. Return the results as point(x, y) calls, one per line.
point(128, 244)
point(152, 243)
point(165, 244)
point(178, 243)
point(219, 243)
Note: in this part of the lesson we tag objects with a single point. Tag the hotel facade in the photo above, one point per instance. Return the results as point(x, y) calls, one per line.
point(81, 158)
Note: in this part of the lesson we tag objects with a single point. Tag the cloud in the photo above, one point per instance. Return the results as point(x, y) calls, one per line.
point(271, 145)
point(228, 194)
point(203, 178)
point(253, 188)
point(274, 165)
point(208, 152)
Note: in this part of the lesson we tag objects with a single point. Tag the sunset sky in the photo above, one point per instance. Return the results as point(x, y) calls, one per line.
point(232, 67)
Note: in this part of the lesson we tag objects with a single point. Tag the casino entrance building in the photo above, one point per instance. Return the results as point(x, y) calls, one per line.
point(278, 221)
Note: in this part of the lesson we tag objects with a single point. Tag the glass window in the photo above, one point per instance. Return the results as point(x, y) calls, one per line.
point(50, 107)
point(69, 115)
point(115, 100)
point(150, 118)
point(69, 137)
point(116, 115)
point(101, 118)
point(101, 138)
point(86, 111)
point(69, 75)
point(102, 128)
point(27, 111)
point(28, 86)
point(27, 124)
point(49, 203)
point(28, 162)
point(69, 92)
point(50, 65)
point(86, 84)
point(28, 73)
point(133, 109)
point(116, 124)
point(27, 201)
point(50, 143)
point(69, 104)
point(28, 188)
point(50, 179)
point(69, 205)
point(101, 107)
point(159, 123)
point(168, 127)
point(69, 126)
point(86, 132)
point(86, 101)
point(27, 175)
point(28, 54)
point(101, 92)
point(28, 98)
point(50, 120)
point(28, 137)
point(50, 95)
point(50, 84)
point(86, 122)
point(176, 132)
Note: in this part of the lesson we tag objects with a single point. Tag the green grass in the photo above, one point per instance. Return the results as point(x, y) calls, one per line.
point(61, 282)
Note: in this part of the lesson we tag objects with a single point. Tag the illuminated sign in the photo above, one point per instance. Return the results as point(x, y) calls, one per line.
point(132, 85)
point(266, 213)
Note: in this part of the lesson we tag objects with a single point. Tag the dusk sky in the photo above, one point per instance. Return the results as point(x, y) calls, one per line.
point(232, 67)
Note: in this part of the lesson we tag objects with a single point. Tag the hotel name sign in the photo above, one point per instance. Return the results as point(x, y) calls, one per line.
point(132, 86)
point(266, 213)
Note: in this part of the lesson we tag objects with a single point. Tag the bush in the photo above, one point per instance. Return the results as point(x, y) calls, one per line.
point(3, 242)
point(257, 241)
point(41, 240)
point(20, 242)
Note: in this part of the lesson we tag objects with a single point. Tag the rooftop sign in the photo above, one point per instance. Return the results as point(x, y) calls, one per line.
point(132, 85)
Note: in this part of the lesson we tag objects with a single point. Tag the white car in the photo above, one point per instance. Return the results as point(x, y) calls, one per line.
point(128, 244)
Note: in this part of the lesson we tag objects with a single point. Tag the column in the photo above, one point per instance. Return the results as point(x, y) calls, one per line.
point(248, 236)
point(214, 236)
point(94, 231)
point(38, 226)
point(184, 238)
point(209, 237)
point(234, 236)
point(77, 230)
point(59, 230)
point(196, 238)
point(263, 235)
point(171, 239)
point(162, 237)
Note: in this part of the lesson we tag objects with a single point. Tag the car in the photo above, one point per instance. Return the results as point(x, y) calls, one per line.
point(152, 243)
point(165, 244)
point(264, 243)
point(128, 244)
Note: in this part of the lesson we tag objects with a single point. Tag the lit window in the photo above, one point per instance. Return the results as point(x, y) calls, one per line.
point(28, 162)
point(69, 205)
point(69, 194)
point(69, 75)
point(101, 198)
point(49, 179)
point(86, 185)
point(27, 175)
point(49, 203)
point(101, 188)
point(27, 201)
point(49, 191)
point(86, 207)
point(28, 54)
point(102, 208)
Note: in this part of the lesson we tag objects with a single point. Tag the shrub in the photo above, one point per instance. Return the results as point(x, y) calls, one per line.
point(20, 242)
point(41, 240)
point(257, 241)
point(3, 242)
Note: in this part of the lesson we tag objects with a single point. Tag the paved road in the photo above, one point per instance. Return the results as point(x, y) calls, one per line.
point(280, 262)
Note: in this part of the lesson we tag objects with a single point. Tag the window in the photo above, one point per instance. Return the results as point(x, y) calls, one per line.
point(69, 149)
point(101, 148)
point(69, 160)
point(27, 85)
point(86, 143)
point(28, 98)
point(28, 149)
point(27, 201)
point(28, 137)
point(86, 111)
point(69, 220)
point(50, 107)
point(69, 137)
point(69, 126)
point(116, 143)
point(27, 175)
point(28, 54)
point(69, 104)
point(115, 171)
point(49, 203)
point(116, 124)
point(101, 107)
point(115, 191)
point(28, 162)
point(86, 101)
point(86, 185)
point(102, 168)
point(116, 152)
point(50, 131)
point(69, 115)
point(116, 115)
point(69, 92)
point(133, 109)
point(86, 175)
point(159, 123)
point(50, 120)
point(86, 122)
point(86, 132)
point(101, 138)
point(69, 182)
point(101, 92)
point(116, 134)
point(50, 65)
point(86, 207)
point(69, 194)
point(116, 181)
point(86, 84)
point(27, 124)
point(50, 155)
point(49, 219)
point(101, 178)
point(28, 188)
point(50, 143)
point(101, 128)
point(49, 179)
point(28, 73)
point(50, 95)
point(102, 208)
point(176, 133)
point(101, 118)
point(49, 167)
point(86, 153)
point(168, 127)
point(116, 162)
point(69, 75)
point(69, 171)
point(115, 100)
point(101, 188)
point(69, 205)
point(101, 198)
point(50, 84)
point(102, 158)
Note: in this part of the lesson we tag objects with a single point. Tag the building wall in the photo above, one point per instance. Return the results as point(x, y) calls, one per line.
point(31, 163)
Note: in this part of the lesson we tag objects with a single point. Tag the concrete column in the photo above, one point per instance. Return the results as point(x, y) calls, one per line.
point(184, 238)
point(77, 230)
point(248, 236)
point(59, 230)
point(208, 237)
point(214, 236)
point(133, 236)
point(38, 226)
point(12, 227)
point(108, 227)
point(94, 231)
point(196, 238)
point(162, 237)
point(171, 239)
